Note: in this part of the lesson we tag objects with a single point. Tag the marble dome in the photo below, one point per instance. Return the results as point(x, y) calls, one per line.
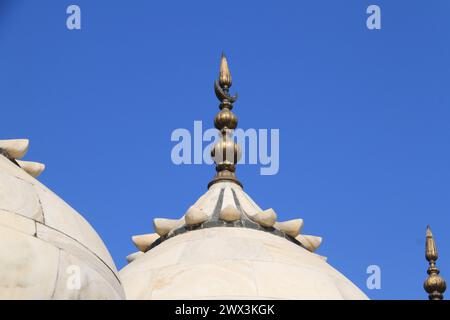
point(225, 246)
point(240, 259)
point(48, 250)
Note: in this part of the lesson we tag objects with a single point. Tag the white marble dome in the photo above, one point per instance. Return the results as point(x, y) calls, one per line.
point(47, 249)
point(202, 256)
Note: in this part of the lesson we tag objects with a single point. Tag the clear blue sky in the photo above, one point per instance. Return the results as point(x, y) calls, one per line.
point(363, 116)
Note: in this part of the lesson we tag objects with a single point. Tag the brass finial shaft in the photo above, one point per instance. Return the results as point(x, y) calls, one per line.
point(434, 285)
point(226, 153)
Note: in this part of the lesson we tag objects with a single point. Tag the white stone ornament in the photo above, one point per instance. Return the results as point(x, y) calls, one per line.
point(16, 148)
point(163, 226)
point(309, 242)
point(230, 213)
point(34, 169)
point(195, 216)
point(134, 256)
point(144, 241)
point(291, 227)
point(266, 218)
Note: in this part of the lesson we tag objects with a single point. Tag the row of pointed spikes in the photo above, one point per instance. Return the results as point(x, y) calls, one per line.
point(15, 149)
point(266, 218)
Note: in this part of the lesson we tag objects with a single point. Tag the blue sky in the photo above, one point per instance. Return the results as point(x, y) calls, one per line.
point(363, 116)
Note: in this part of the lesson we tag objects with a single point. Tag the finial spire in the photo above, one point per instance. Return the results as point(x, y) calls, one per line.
point(226, 153)
point(434, 285)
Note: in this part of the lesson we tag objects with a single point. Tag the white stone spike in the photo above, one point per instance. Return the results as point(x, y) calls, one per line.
point(134, 256)
point(144, 241)
point(290, 227)
point(195, 216)
point(230, 213)
point(266, 218)
point(16, 148)
point(34, 169)
point(163, 226)
point(309, 242)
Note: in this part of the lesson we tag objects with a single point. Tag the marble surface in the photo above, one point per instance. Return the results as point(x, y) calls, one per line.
point(233, 263)
point(44, 243)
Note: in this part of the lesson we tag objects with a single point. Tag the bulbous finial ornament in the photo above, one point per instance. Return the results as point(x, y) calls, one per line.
point(225, 119)
point(226, 153)
point(434, 285)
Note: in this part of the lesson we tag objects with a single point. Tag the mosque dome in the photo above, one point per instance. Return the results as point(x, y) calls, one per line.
point(226, 247)
point(240, 259)
point(48, 250)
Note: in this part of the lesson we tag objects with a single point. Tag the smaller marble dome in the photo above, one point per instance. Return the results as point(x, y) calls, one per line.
point(47, 250)
point(227, 247)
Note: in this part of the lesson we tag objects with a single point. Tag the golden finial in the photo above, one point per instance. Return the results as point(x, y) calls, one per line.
point(434, 285)
point(226, 153)
point(430, 246)
point(224, 75)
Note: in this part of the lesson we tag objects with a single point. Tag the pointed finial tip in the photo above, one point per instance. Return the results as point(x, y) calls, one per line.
point(429, 233)
point(224, 75)
point(430, 246)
